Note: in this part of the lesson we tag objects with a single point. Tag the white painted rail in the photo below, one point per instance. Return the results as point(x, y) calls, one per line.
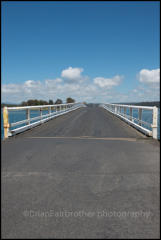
point(53, 111)
point(120, 111)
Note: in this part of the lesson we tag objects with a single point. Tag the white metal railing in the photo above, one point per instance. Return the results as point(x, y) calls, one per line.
point(120, 110)
point(53, 111)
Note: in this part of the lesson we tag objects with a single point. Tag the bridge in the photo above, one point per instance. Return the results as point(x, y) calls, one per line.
point(84, 173)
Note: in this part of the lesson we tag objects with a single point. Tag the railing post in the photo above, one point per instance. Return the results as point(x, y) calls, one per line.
point(124, 111)
point(40, 113)
point(131, 114)
point(28, 116)
point(49, 110)
point(155, 122)
point(140, 116)
point(120, 110)
point(5, 122)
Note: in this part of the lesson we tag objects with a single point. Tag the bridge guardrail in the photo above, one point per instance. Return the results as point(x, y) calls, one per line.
point(53, 111)
point(120, 111)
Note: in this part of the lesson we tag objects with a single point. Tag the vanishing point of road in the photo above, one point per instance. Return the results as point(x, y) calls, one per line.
point(85, 174)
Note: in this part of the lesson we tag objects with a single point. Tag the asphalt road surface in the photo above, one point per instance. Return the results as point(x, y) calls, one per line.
point(85, 174)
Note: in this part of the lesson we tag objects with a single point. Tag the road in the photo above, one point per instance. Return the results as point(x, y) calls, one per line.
point(85, 174)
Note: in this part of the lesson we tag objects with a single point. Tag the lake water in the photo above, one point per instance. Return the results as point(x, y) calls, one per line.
point(15, 116)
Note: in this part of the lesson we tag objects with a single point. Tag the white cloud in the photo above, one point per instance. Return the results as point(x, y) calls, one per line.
point(52, 82)
point(144, 92)
point(149, 76)
point(30, 83)
point(107, 82)
point(135, 90)
point(78, 87)
point(72, 73)
point(148, 88)
point(10, 88)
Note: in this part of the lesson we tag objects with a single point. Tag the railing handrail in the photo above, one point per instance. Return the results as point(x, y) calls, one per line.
point(116, 110)
point(59, 109)
point(39, 106)
point(130, 106)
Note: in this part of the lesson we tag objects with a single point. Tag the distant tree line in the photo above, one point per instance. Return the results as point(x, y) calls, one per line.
point(9, 105)
point(35, 102)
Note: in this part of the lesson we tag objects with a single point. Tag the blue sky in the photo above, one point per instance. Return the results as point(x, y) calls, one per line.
point(92, 51)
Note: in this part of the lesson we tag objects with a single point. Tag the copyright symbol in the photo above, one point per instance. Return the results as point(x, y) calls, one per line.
point(26, 213)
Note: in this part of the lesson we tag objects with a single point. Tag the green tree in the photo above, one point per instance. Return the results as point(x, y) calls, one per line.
point(51, 102)
point(70, 100)
point(58, 101)
point(34, 102)
point(23, 103)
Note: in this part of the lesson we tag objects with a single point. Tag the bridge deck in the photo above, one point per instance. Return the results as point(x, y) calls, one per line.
point(89, 163)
